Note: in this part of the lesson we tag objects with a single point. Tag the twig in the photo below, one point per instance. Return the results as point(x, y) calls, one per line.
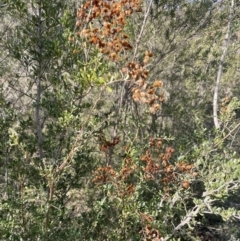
point(206, 194)
point(238, 125)
point(142, 29)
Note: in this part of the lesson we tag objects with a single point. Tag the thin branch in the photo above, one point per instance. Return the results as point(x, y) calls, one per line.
point(73, 149)
point(193, 213)
point(39, 84)
point(220, 68)
point(211, 192)
point(196, 210)
point(142, 29)
point(170, 47)
point(3, 5)
point(234, 136)
point(230, 132)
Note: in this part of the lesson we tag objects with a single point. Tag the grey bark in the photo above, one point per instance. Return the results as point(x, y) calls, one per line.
point(220, 68)
point(39, 83)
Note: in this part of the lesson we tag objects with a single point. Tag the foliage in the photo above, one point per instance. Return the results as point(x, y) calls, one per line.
point(106, 127)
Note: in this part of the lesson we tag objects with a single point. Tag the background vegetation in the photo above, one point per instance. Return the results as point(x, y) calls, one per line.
point(108, 129)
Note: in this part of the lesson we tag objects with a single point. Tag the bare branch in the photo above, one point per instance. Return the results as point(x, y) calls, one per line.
point(220, 68)
point(142, 29)
point(39, 85)
point(185, 221)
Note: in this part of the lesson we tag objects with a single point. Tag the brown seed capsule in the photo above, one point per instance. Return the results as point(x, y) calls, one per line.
point(185, 184)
